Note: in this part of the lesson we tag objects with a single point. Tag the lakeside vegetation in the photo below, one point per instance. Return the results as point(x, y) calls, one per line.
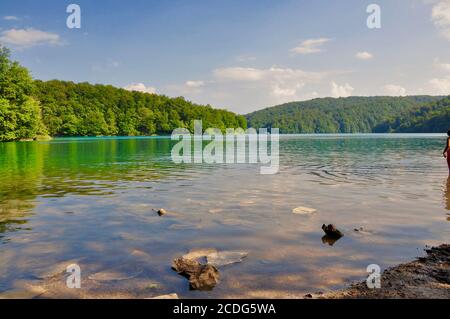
point(422, 114)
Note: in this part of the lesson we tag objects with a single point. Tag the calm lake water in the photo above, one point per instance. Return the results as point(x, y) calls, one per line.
point(90, 201)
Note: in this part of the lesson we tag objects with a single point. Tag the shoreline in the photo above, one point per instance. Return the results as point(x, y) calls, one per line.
point(426, 277)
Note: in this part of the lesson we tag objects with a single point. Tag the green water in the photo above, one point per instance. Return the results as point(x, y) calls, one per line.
point(90, 201)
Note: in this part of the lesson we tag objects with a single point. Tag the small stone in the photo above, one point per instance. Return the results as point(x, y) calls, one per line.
point(161, 212)
point(308, 296)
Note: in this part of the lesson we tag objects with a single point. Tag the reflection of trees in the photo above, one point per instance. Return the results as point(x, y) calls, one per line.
point(95, 166)
point(21, 173)
point(81, 167)
point(13, 217)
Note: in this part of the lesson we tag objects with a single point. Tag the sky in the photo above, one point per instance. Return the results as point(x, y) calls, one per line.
point(241, 55)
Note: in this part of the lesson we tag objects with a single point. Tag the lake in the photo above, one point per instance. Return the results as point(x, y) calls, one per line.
point(90, 201)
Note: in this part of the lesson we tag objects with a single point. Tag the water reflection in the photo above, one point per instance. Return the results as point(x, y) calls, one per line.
point(12, 220)
point(447, 194)
point(330, 240)
point(91, 200)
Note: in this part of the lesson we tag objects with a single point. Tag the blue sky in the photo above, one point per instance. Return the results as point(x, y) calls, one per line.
point(240, 55)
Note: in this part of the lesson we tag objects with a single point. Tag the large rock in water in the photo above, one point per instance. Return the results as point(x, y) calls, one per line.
point(201, 277)
point(332, 231)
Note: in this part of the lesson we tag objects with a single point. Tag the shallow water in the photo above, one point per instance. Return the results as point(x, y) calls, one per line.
point(90, 201)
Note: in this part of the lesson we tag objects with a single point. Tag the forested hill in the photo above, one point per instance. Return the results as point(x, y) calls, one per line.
point(32, 109)
point(83, 109)
point(355, 115)
point(430, 118)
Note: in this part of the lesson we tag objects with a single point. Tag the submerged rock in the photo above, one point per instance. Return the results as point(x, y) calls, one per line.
point(198, 253)
point(215, 257)
point(201, 276)
point(304, 211)
point(200, 266)
point(332, 231)
point(224, 258)
point(115, 275)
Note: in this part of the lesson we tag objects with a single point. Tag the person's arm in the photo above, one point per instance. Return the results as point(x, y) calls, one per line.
point(446, 147)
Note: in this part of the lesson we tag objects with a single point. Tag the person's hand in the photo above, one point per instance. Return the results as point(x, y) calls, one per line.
point(445, 154)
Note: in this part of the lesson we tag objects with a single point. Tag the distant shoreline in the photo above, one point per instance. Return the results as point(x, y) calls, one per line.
point(48, 138)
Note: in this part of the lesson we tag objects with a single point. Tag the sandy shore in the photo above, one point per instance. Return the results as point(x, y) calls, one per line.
point(426, 277)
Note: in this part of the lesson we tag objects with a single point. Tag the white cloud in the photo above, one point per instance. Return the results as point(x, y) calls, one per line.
point(11, 18)
point(279, 82)
point(364, 55)
point(394, 90)
point(244, 89)
point(440, 14)
point(140, 87)
point(310, 46)
point(341, 90)
point(286, 92)
point(442, 66)
point(440, 86)
point(194, 84)
point(26, 38)
point(239, 74)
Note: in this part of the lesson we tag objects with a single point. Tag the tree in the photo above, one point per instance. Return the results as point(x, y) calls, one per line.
point(20, 113)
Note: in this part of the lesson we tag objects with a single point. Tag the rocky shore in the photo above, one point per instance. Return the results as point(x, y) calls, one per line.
point(424, 278)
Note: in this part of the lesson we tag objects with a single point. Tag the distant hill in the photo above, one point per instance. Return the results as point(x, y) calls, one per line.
point(378, 114)
point(430, 118)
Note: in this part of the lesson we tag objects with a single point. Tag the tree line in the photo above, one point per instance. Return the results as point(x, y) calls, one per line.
point(380, 114)
point(83, 109)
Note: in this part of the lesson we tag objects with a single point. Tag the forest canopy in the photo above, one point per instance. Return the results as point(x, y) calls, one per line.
point(83, 109)
point(357, 115)
point(20, 113)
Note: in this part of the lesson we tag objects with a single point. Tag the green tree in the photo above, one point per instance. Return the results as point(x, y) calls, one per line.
point(20, 113)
